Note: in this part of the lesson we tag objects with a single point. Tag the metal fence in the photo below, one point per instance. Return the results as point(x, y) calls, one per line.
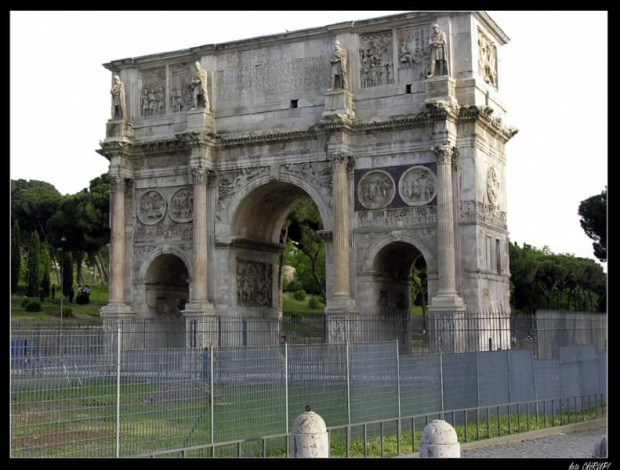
point(84, 392)
point(445, 332)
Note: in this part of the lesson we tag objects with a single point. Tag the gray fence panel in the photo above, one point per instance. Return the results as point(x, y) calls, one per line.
point(521, 376)
point(318, 378)
point(570, 376)
point(460, 381)
point(547, 376)
point(420, 384)
point(590, 383)
point(602, 372)
point(493, 381)
point(373, 381)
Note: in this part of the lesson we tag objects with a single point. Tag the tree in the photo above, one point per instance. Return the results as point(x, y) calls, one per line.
point(302, 227)
point(32, 279)
point(67, 272)
point(593, 213)
point(16, 256)
point(44, 269)
point(32, 204)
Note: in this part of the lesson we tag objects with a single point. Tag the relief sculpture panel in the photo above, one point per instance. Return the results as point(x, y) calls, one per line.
point(413, 51)
point(254, 284)
point(376, 189)
point(377, 64)
point(417, 186)
point(487, 59)
point(492, 186)
point(153, 93)
point(182, 205)
point(180, 88)
point(151, 207)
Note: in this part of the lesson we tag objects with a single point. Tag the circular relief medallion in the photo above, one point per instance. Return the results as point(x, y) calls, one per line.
point(151, 207)
point(417, 186)
point(492, 186)
point(182, 205)
point(376, 189)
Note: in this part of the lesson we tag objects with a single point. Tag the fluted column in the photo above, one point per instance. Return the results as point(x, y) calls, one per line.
point(199, 283)
point(341, 234)
point(446, 297)
point(116, 301)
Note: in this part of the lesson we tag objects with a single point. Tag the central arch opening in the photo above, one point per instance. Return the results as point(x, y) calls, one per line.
point(277, 258)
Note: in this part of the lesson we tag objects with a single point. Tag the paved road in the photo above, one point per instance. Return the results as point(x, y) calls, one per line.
point(572, 445)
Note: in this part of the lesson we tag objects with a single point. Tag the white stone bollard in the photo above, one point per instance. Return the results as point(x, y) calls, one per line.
point(310, 436)
point(600, 448)
point(439, 441)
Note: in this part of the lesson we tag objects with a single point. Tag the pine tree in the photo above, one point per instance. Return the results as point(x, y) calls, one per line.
point(16, 256)
point(32, 276)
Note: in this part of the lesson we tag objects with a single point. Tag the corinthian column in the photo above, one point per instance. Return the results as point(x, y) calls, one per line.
point(341, 234)
point(116, 303)
point(446, 297)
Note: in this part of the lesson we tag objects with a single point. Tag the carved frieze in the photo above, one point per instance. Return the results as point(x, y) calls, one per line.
point(376, 189)
point(318, 174)
point(180, 98)
point(408, 217)
point(151, 207)
point(231, 181)
point(472, 211)
point(157, 233)
point(492, 186)
point(487, 59)
point(254, 283)
point(182, 205)
point(376, 61)
point(417, 186)
point(413, 51)
point(153, 92)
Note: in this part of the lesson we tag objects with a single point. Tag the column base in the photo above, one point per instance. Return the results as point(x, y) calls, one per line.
point(342, 304)
point(440, 89)
point(116, 310)
point(447, 303)
point(198, 309)
point(202, 329)
point(119, 129)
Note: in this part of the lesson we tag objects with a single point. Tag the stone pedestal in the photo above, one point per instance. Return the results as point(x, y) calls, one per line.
point(439, 440)
point(200, 120)
point(118, 129)
point(440, 89)
point(201, 326)
point(310, 436)
point(339, 102)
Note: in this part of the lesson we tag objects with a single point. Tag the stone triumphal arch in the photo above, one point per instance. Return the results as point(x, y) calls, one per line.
point(394, 126)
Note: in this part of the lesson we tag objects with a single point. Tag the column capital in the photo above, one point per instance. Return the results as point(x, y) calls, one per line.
point(200, 174)
point(445, 154)
point(343, 159)
point(120, 183)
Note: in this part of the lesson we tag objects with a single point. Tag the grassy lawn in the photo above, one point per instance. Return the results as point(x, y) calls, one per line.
point(290, 305)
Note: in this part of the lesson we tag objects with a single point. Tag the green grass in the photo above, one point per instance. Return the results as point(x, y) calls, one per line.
point(291, 305)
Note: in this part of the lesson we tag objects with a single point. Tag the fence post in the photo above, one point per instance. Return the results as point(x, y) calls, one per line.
point(398, 380)
point(286, 382)
point(118, 389)
point(348, 387)
point(441, 378)
point(212, 397)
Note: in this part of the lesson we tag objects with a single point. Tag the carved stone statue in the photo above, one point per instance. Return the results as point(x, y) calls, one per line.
point(439, 53)
point(199, 87)
point(118, 98)
point(339, 61)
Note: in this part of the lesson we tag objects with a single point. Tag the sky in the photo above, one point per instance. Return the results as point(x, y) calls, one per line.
point(552, 75)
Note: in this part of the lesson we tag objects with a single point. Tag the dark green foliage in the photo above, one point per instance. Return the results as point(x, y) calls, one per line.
point(33, 306)
point(593, 213)
point(25, 302)
point(67, 278)
point(300, 295)
point(313, 303)
point(32, 204)
point(32, 276)
point(16, 256)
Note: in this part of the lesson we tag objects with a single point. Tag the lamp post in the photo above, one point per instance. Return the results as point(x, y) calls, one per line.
point(62, 274)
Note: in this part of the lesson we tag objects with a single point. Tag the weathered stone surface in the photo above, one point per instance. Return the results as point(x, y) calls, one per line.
point(439, 440)
point(310, 436)
point(402, 167)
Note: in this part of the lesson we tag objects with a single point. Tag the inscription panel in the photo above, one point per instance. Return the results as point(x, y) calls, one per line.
point(407, 217)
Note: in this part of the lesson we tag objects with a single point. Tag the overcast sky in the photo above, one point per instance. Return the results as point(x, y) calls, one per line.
point(552, 75)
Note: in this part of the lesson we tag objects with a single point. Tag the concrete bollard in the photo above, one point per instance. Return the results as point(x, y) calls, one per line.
point(439, 441)
point(310, 436)
point(600, 448)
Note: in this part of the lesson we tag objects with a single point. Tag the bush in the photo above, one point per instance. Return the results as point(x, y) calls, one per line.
point(300, 294)
point(33, 306)
point(66, 312)
point(25, 302)
point(292, 286)
point(313, 303)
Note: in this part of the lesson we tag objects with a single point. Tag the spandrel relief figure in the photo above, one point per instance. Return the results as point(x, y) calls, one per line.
point(439, 53)
point(338, 62)
point(118, 98)
point(200, 95)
